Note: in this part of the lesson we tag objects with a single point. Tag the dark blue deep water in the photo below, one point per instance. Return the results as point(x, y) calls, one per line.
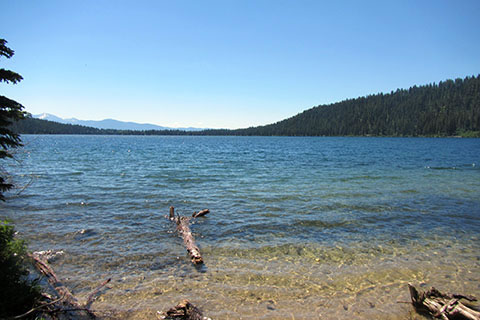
point(297, 226)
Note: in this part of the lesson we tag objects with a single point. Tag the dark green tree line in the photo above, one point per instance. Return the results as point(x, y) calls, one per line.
point(445, 109)
point(451, 107)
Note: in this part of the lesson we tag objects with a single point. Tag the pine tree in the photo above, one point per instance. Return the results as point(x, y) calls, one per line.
point(10, 112)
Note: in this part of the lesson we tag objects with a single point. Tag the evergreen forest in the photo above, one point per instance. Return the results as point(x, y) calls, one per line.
point(449, 108)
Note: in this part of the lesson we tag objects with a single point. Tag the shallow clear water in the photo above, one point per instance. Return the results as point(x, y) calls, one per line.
point(300, 228)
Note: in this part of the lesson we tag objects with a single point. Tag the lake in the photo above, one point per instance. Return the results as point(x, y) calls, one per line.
point(299, 227)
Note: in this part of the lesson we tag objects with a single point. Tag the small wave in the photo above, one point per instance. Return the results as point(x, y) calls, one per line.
point(356, 178)
point(346, 207)
point(77, 204)
point(68, 174)
point(409, 191)
point(468, 166)
point(50, 255)
point(84, 234)
point(325, 224)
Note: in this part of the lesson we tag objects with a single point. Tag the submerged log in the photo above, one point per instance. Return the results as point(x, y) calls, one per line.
point(201, 213)
point(66, 302)
point(93, 295)
point(443, 306)
point(68, 299)
point(184, 311)
point(183, 229)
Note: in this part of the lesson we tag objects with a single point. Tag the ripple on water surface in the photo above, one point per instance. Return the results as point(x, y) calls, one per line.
point(299, 228)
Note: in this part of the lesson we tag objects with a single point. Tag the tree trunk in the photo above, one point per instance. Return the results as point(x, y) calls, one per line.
point(188, 239)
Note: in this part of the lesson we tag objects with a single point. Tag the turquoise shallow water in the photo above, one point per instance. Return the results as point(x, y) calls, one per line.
point(302, 227)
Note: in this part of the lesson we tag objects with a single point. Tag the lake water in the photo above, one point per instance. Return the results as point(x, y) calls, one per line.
point(299, 228)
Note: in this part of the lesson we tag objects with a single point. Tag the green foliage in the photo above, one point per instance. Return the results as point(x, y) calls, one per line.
point(10, 112)
point(4, 50)
point(31, 125)
point(430, 110)
point(17, 294)
point(450, 108)
point(468, 134)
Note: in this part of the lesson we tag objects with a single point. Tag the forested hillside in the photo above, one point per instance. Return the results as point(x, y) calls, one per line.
point(31, 125)
point(449, 108)
point(445, 109)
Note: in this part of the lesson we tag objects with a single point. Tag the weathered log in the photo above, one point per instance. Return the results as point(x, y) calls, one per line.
point(92, 296)
point(184, 311)
point(66, 301)
point(200, 213)
point(443, 306)
point(188, 239)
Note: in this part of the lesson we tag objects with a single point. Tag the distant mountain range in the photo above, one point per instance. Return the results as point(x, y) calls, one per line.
point(449, 108)
point(108, 123)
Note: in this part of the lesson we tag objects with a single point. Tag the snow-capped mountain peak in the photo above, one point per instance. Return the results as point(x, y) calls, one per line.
point(107, 123)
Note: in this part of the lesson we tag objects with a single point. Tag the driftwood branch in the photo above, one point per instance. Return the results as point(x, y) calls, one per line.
point(201, 213)
point(443, 306)
point(43, 306)
point(92, 296)
point(184, 311)
point(66, 301)
point(183, 229)
point(61, 290)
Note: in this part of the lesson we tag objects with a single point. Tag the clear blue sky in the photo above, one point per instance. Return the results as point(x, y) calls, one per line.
point(228, 64)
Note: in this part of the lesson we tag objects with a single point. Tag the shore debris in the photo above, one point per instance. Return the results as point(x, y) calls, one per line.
point(200, 213)
point(443, 306)
point(65, 302)
point(183, 229)
point(184, 311)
